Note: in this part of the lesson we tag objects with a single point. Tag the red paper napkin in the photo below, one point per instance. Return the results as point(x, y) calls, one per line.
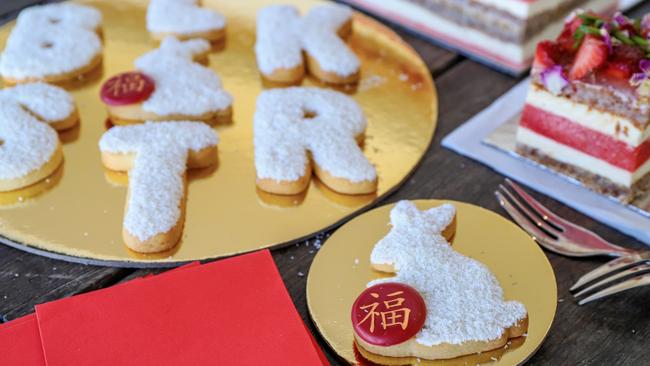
point(21, 343)
point(232, 312)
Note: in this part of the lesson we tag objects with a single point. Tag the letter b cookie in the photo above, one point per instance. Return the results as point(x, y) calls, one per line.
point(52, 43)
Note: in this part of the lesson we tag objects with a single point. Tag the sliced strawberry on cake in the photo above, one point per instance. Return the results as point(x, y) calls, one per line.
point(587, 113)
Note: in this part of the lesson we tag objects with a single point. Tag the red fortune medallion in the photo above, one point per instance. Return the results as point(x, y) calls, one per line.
point(388, 314)
point(127, 88)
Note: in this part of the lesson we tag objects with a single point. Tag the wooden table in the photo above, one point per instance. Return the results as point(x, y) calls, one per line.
point(614, 331)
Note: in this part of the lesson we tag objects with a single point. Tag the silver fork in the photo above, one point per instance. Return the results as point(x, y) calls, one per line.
point(563, 237)
point(550, 230)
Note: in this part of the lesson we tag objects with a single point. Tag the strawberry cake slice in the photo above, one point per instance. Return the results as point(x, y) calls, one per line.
point(587, 113)
point(502, 33)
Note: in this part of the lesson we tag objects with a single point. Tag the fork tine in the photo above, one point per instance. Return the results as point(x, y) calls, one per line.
point(531, 229)
point(535, 217)
point(615, 277)
point(615, 265)
point(544, 212)
point(642, 280)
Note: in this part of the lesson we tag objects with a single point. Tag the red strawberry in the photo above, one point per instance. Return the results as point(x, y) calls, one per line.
point(623, 62)
point(618, 70)
point(566, 40)
point(544, 55)
point(591, 55)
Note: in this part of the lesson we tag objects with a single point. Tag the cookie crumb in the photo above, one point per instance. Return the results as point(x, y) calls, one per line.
point(372, 81)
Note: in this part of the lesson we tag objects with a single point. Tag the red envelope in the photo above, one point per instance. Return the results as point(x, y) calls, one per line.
point(21, 343)
point(232, 312)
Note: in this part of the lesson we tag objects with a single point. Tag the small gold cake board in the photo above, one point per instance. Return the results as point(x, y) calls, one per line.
point(77, 213)
point(341, 270)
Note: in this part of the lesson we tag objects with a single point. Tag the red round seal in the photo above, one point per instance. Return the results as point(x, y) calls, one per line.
point(127, 88)
point(388, 314)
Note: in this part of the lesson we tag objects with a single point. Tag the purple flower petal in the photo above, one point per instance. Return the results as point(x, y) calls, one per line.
point(644, 65)
point(554, 80)
point(621, 19)
point(637, 79)
point(607, 38)
point(606, 26)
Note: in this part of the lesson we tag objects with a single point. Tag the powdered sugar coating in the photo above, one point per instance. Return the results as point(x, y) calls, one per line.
point(464, 300)
point(157, 178)
point(282, 134)
point(182, 17)
point(48, 102)
point(50, 40)
point(282, 35)
point(278, 43)
point(27, 142)
point(183, 87)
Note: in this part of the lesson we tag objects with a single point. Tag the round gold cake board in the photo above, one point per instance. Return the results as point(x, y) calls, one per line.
point(341, 270)
point(77, 213)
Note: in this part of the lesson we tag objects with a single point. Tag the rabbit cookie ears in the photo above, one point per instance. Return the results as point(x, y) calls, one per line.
point(184, 19)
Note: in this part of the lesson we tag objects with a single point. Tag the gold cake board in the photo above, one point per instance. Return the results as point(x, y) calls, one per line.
point(77, 214)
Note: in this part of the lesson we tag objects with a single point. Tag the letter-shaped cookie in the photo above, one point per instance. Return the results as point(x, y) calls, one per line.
point(52, 43)
point(282, 36)
point(184, 19)
point(156, 156)
point(30, 114)
point(292, 121)
point(466, 310)
point(183, 90)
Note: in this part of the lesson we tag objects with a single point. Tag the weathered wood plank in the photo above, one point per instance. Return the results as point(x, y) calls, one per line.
point(27, 280)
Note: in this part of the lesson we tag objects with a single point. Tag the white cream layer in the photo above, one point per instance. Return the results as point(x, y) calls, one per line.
point(512, 52)
point(522, 8)
point(569, 155)
point(618, 127)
